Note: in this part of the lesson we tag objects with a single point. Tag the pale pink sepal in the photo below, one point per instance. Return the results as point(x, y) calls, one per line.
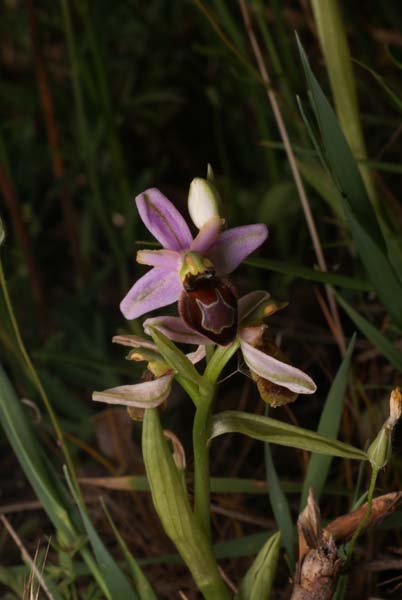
point(165, 259)
point(163, 220)
point(276, 371)
point(234, 245)
point(156, 288)
point(141, 395)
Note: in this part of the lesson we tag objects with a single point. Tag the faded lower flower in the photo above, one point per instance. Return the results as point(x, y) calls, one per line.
point(189, 269)
point(278, 381)
point(157, 386)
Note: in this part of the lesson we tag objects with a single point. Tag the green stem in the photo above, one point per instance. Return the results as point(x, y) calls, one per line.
point(201, 431)
point(363, 522)
point(202, 486)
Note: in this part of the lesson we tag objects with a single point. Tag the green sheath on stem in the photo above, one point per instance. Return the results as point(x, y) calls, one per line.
point(172, 505)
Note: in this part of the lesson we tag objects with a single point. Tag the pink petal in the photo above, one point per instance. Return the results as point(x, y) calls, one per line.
point(163, 220)
point(165, 259)
point(175, 329)
point(250, 302)
point(276, 371)
point(141, 395)
point(156, 288)
point(207, 235)
point(234, 245)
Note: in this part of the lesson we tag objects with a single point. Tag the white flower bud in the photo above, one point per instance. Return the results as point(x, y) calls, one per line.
point(203, 201)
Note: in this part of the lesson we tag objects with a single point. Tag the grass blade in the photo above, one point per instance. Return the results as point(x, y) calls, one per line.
point(379, 340)
point(279, 505)
point(328, 426)
point(358, 210)
point(352, 283)
point(141, 583)
point(116, 582)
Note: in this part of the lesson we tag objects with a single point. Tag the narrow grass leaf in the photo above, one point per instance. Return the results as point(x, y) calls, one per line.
point(339, 155)
point(358, 209)
point(352, 283)
point(377, 338)
point(280, 505)
point(397, 101)
point(259, 579)
point(142, 585)
point(319, 464)
point(115, 580)
point(28, 452)
point(283, 434)
point(34, 465)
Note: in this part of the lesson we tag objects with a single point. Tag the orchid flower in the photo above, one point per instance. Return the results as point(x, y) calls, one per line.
point(154, 391)
point(191, 269)
point(264, 367)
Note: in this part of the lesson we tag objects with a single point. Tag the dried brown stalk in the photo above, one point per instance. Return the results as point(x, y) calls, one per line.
point(319, 565)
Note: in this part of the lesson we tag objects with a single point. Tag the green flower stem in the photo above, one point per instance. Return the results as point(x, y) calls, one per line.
point(201, 434)
point(363, 522)
point(202, 486)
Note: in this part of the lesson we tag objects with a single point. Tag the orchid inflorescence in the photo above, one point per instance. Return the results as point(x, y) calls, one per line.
point(193, 272)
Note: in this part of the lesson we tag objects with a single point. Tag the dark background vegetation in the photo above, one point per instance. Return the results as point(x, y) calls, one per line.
point(100, 100)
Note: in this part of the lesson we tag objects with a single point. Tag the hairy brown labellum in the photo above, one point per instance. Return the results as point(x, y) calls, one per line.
point(208, 305)
point(271, 393)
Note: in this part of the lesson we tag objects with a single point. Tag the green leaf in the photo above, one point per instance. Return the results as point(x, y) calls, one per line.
point(33, 463)
point(378, 339)
point(280, 505)
point(322, 182)
point(259, 579)
point(175, 358)
point(359, 212)
point(328, 426)
point(142, 585)
point(278, 432)
point(28, 452)
point(115, 580)
point(344, 281)
point(173, 507)
point(339, 155)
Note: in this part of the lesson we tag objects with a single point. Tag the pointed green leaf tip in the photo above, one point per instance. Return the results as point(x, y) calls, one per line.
point(281, 433)
point(259, 579)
